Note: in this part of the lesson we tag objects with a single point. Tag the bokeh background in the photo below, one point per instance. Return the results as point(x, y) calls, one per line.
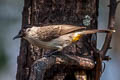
point(10, 23)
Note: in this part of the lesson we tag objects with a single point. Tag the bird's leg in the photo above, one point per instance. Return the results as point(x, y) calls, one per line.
point(55, 52)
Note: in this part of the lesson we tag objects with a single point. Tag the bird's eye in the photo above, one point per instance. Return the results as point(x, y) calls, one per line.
point(28, 30)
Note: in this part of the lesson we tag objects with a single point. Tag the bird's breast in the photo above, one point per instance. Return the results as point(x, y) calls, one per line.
point(39, 43)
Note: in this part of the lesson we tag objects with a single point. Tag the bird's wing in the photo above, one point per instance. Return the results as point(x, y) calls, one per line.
point(65, 29)
point(50, 32)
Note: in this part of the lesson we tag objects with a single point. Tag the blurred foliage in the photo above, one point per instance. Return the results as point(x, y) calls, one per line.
point(3, 57)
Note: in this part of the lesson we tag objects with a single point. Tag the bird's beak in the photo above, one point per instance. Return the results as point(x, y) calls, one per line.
point(17, 36)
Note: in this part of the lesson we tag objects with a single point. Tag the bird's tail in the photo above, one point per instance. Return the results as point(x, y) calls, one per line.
point(85, 32)
point(78, 35)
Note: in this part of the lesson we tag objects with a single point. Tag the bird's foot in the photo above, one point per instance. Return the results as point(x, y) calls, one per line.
point(53, 53)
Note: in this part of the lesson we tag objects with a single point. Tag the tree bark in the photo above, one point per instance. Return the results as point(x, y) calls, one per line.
point(48, 12)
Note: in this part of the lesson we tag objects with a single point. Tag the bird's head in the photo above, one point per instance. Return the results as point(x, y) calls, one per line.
point(22, 33)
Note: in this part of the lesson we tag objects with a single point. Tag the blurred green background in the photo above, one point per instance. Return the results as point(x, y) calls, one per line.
point(10, 23)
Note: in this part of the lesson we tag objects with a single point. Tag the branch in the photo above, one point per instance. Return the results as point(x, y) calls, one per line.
point(42, 65)
point(111, 23)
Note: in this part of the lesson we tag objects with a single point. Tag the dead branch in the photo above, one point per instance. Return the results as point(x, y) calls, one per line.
point(40, 66)
point(101, 55)
point(111, 23)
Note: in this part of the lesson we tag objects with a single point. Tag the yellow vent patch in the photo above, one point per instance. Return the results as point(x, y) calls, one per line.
point(76, 37)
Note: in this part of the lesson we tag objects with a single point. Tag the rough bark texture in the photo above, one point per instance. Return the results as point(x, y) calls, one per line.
point(45, 12)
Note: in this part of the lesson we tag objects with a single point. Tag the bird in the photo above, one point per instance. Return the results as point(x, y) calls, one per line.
point(55, 37)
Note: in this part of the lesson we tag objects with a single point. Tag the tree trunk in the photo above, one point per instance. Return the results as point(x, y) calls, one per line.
point(48, 12)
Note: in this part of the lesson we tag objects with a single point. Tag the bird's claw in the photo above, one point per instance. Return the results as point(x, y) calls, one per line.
point(51, 54)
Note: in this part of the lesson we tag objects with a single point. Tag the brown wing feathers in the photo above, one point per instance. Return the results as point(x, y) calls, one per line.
point(69, 28)
point(48, 33)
